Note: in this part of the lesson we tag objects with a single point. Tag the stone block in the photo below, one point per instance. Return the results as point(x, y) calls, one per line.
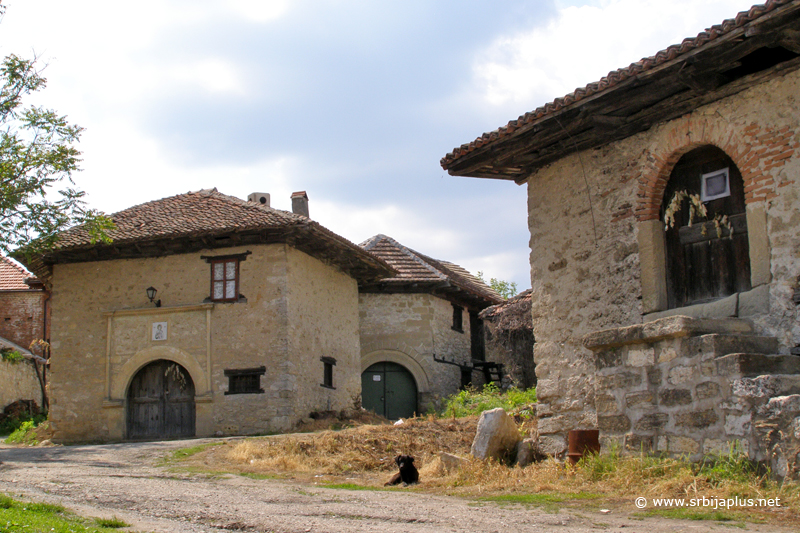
point(548, 388)
point(697, 419)
point(496, 436)
point(608, 359)
point(452, 462)
point(621, 380)
point(706, 389)
point(614, 424)
point(677, 444)
point(724, 308)
point(606, 404)
point(667, 354)
point(680, 374)
point(724, 447)
point(634, 399)
point(641, 356)
point(554, 445)
point(672, 397)
point(527, 452)
point(756, 364)
point(639, 443)
point(738, 424)
point(654, 376)
point(754, 302)
point(652, 422)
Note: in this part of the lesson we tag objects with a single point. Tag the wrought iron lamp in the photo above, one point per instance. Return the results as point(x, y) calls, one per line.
point(151, 294)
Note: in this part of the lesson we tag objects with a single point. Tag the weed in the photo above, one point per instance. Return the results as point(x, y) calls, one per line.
point(27, 516)
point(11, 356)
point(112, 523)
point(25, 433)
point(346, 486)
point(472, 401)
point(185, 453)
point(10, 425)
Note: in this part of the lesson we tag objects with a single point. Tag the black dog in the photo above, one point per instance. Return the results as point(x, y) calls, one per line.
point(408, 473)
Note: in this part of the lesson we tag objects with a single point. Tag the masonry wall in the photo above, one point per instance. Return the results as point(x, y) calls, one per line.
point(323, 322)
point(102, 325)
point(19, 383)
point(22, 316)
point(409, 329)
point(586, 214)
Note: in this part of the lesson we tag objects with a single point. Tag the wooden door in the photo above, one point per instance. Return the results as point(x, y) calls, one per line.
point(161, 402)
point(389, 389)
point(703, 265)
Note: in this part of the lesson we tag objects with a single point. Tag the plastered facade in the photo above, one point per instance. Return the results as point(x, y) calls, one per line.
point(297, 309)
point(409, 329)
point(595, 249)
point(19, 383)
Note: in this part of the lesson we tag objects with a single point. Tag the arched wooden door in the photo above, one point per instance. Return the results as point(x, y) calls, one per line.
point(161, 402)
point(704, 262)
point(389, 389)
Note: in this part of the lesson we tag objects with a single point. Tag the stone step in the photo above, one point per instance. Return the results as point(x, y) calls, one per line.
point(720, 345)
point(752, 365)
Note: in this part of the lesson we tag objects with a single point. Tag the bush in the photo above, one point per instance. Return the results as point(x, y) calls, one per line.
point(12, 424)
point(473, 401)
point(26, 432)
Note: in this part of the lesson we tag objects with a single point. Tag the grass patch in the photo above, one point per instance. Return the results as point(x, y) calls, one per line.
point(472, 401)
point(111, 523)
point(16, 516)
point(184, 453)
point(347, 486)
point(683, 513)
point(540, 498)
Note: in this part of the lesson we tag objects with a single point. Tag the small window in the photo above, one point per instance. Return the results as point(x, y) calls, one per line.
point(245, 380)
point(327, 372)
point(715, 185)
point(458, 318)
point(224, 280)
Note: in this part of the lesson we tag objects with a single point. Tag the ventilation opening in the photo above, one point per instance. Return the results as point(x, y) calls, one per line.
point(759, 60)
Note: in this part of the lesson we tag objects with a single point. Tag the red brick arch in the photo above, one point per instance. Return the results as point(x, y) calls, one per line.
point(756, 150)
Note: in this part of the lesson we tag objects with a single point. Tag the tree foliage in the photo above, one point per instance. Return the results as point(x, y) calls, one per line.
point(37, 154)
point(506, 289)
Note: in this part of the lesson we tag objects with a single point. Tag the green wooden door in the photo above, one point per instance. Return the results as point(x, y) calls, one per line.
point(389, 389)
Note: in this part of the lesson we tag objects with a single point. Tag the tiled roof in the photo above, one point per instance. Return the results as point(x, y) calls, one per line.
point(12, 276)
point(205, 212)
point(616, 77)
point(201, 220)
point(415, 268)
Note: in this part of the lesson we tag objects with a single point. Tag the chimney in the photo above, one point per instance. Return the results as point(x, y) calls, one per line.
point(259, 197)
point(300, 203)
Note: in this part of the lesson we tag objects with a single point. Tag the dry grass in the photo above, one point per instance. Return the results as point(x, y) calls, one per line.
point(364, 455)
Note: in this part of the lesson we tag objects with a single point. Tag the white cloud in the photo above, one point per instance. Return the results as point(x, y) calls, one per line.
point(584, 43)
point(214, 75)
point(260, 10)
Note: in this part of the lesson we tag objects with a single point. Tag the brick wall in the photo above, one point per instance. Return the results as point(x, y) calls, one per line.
point(22, 316)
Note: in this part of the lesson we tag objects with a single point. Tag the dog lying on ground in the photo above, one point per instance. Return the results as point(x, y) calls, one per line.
point(408, 473)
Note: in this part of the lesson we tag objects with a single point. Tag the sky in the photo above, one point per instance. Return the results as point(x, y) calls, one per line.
point(354, 102)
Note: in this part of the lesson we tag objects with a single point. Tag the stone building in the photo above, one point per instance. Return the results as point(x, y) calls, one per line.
point(421, 338)
point(717, 116)
point(508, 338)
point(206, 315)
point(23, 312)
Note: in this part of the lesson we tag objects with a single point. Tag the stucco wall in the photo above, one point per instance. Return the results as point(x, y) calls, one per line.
point(101, 336)
point(19, 383)
point(585, 214)
point(409, 329)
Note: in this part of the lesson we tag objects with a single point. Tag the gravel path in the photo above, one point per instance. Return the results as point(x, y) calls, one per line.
point(124, 480)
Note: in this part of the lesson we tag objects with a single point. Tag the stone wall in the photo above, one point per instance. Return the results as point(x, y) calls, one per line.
point(594, 241)
point(409, 329)
point(19, 383)
point(101, 337)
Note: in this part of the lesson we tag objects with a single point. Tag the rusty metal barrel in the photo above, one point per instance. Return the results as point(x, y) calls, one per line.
point(581, 443)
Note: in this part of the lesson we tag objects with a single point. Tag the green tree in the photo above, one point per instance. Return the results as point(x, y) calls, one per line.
point(505, 289)
point(37, 155)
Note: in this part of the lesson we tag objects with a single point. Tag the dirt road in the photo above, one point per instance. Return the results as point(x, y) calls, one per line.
point(124, 480)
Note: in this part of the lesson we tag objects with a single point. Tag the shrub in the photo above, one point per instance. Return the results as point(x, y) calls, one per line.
point(473, 401)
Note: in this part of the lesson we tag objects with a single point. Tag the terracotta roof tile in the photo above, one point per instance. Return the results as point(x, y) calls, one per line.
point(12, 276)
point(617, 76)
point(414, 267)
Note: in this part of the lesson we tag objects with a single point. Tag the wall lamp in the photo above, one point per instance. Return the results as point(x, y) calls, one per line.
point(151, 294)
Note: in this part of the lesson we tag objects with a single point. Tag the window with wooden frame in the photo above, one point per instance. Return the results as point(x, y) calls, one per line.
point(245, 380)
point(327, 372)
point(458, 318)
point(225, 277)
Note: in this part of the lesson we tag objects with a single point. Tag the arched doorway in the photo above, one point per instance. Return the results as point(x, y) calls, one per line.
point(389, 389)
point(704, 260)
point(161, 402)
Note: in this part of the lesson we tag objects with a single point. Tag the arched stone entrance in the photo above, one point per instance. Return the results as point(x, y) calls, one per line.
point(390, 390)
point(161, 402)
point(706, 258)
